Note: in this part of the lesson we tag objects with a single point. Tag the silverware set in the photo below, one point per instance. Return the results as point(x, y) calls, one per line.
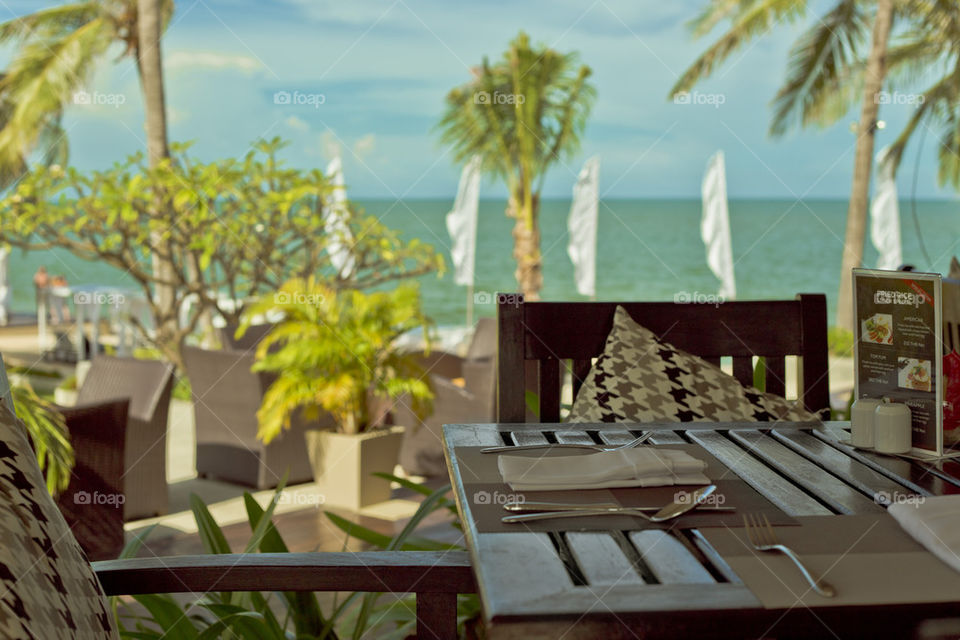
point(680, 505)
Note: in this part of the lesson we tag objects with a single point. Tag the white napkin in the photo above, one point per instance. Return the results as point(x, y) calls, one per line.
point(638, 467)
point(934, 523)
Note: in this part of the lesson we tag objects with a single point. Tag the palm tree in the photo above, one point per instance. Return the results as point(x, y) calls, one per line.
point(520, 116)
point(58, 49)
point(825, 71)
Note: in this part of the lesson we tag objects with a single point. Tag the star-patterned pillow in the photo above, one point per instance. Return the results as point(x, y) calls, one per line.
point(48, 590)
point(640, 378)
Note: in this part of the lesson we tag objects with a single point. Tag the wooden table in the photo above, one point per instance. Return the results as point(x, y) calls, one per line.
point(573, 585)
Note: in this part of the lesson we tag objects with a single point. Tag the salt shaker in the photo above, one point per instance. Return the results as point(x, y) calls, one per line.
point(862, 415)
point(892, 428)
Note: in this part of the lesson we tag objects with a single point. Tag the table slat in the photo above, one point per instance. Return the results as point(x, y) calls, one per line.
point(529, 437)
point(573, 437)
point(601, 560)
point(834, 492)
point(669, 560)
point(769, 484)
point(853, 472)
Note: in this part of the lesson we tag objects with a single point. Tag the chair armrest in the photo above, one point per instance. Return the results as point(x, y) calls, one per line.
point(372, 571)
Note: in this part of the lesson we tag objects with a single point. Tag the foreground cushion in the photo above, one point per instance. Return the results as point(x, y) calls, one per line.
point(48, 590)
point(640, 378)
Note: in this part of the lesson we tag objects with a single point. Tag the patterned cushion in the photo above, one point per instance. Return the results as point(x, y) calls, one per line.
point(640, 378)
point(47, 588)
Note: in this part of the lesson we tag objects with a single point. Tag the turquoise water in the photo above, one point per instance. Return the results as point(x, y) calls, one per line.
point(647, 250)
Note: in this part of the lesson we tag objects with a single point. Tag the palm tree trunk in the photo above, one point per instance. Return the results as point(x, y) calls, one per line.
point(526, 245)
point(150, 65)
point(863, 158)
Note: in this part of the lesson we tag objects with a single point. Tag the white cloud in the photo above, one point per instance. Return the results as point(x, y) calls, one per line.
point(211, 60)
point(296, 123)
point(365, 145)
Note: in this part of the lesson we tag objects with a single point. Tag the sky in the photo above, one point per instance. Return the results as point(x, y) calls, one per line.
point(369, 77)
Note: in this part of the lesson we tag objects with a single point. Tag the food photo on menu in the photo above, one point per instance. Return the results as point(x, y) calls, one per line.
point(878, 329)
point(914, 374)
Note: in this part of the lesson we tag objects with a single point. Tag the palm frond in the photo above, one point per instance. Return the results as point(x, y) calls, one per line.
point(752, 18)
point(818, 89)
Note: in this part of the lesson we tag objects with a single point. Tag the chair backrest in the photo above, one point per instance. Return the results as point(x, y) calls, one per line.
point(484, 342)
point(226, 394)
point(148, 384)
point(546, 333)
point(248, 341)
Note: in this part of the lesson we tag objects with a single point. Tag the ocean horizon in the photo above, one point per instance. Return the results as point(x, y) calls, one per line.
point(648, 249)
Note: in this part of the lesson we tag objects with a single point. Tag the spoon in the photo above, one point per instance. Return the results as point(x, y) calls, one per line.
point(681, 504)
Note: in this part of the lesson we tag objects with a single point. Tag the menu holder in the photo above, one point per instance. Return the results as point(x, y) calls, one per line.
point(897, 348)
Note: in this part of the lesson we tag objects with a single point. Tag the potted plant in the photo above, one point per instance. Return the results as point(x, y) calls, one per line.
point(335, 351)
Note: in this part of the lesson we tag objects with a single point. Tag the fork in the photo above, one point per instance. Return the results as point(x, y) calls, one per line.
point(764, 538)
point(569, 445)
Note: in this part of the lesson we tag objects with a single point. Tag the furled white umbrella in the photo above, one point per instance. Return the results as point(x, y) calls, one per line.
point(339, 238)
point(582, 227)
point(715, 226)
point(462, 227)
point(885, 215)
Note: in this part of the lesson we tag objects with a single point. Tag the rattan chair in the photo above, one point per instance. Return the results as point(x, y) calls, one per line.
point(226, 396)
point(148, 385)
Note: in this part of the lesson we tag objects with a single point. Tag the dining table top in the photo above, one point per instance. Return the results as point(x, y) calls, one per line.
point(623, 577)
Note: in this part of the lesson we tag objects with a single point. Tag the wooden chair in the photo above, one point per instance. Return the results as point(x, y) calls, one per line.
point(435, 577)
point(542, 334)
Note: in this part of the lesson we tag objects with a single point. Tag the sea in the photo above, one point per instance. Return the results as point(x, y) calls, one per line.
point(646, 250)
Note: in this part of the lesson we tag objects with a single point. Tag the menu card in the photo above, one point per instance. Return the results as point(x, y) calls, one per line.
point(897, 351)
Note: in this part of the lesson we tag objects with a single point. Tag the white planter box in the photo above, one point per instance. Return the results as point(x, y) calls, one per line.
point(343, 464)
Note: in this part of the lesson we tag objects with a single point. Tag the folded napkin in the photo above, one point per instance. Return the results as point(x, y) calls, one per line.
point(934, 523)
point(638, 467)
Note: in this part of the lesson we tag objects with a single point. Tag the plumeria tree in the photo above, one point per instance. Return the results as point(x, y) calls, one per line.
point(235, 229)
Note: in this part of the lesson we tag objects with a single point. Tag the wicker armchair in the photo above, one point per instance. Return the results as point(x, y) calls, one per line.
point(226, 396)
point(93, 503)
point(148, 385)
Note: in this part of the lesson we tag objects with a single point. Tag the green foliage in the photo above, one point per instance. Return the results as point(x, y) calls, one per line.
point(333, 348)
point(840, 342)
point(520, 114)
point(254, 616)
point(48, 432)
point(236, 229)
